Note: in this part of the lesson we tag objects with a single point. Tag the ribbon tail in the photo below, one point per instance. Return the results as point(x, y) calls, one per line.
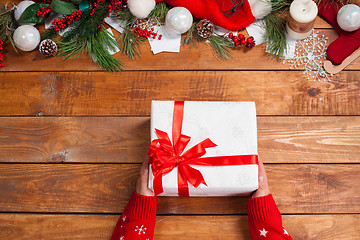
point(183, 187)
point(188, 174)
point(157, 184)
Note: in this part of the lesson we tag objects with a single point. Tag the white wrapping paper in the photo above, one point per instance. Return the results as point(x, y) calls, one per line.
point(230, 125)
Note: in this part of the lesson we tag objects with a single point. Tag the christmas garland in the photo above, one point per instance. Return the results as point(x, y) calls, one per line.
point(82, 31)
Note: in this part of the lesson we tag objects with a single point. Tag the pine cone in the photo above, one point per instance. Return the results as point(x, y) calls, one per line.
point(48, 48)
point(205, 28)
point(145, 23)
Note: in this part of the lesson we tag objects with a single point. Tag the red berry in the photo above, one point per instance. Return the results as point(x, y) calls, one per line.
point(237, 43)
point(249, 39)
point(242, 41)
point(231, 35)
point(235, 39)
point(241, 36)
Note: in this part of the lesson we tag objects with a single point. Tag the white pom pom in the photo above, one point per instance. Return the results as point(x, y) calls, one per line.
point(260, 8)
point(141, 8)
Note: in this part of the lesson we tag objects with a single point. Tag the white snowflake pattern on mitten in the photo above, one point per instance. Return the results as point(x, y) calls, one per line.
point(140, 230)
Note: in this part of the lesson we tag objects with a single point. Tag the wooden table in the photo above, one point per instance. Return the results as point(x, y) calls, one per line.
point(72, 139)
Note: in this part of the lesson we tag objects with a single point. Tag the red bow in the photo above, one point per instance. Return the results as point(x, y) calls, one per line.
point(165, 156)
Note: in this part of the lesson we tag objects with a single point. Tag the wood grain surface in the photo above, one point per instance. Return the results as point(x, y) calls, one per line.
point(281, 139)
point(72, 139)
point(100, 227)
point(106, 188)
point(130, 93)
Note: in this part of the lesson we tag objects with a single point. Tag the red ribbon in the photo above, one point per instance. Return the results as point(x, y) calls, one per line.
point(165, 156)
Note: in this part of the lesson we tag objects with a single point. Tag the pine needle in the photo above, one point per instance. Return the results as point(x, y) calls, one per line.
point(189, 39)
point(130, 43)
point(221, 47)
point(7, 25)
point(160, 11)
point(275, 25)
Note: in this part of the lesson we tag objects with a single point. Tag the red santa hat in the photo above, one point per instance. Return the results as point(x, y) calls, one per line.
point(229, 14)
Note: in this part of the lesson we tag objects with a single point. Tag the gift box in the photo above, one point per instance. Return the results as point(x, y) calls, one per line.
point(203, 148)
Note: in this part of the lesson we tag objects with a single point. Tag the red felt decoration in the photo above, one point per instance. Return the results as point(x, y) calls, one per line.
point(347, 42)
point(226, 13)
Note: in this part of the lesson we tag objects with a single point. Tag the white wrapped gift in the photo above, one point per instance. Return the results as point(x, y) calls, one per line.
point(231, 126)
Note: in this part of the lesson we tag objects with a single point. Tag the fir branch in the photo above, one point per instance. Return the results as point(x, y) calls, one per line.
point(96, 46)
point(160, 11)
point(71, 49)
point(125, 15)
point(130, 43)
point(189, 39)
point(221, 47)
point(100, 54)
point(49, 33)
point(7, 25)
point(275, 36)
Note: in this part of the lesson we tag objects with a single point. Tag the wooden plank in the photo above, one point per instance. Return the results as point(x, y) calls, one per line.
point(130, 93)
point(126, 139)
point(106, 188)
point(199, 57)
point(97, 227)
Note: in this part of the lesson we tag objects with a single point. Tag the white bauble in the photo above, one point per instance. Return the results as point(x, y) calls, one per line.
point(26, 38)
point(348, 17)
point(141, 8)
point(178, 20)
point(20, 8)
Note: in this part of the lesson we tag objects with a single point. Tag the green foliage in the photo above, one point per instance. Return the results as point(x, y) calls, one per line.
point(221, 47)
point(97, 46)
point(61, 7)
point(129, 41)
point(160, 11)
point(83, 36)
point(275, 25)
point(125, 15)
point(189, 38)
point(7, 25)
point(29, 15)
point(49, 34)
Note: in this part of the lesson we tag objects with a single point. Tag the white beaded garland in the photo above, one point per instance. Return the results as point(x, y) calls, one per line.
point(26, 38)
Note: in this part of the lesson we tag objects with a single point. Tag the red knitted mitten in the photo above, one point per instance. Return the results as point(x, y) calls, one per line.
point(347, 42)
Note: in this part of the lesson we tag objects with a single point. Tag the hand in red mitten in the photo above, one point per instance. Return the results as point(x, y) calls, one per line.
point(347, 42)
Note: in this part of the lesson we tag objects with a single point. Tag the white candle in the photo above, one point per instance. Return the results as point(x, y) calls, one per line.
point(302, 18)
